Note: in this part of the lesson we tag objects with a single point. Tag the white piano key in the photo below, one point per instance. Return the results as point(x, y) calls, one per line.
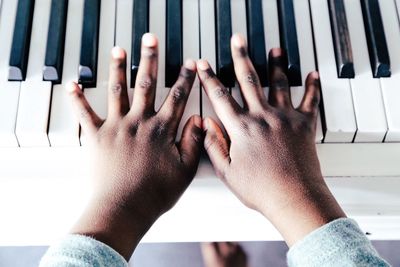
point(97, 97)
point(390, 86)
point(63, 125)
point(34, 100)
point(208, 49)
point(367, 95)
point(9, 91)
point(158, 17)
point(239, 25)
point(307, 60)
point(271, 25)
point(271, 28)
point(191, 49)
point(337, 99)
point(123, 35)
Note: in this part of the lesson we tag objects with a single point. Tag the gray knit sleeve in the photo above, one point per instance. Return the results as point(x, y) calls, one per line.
point(338, 243)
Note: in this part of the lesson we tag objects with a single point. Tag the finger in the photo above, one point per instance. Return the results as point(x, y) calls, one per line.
point(118, 102)
point(223, 103)
point(217, 147)
point(279, 92)
point(224, 248)
point(88, 119)
point(191, 142)
point(246, 74)
point(312, 96)
point(174, 106)
point(210, 252)
point(146, 80)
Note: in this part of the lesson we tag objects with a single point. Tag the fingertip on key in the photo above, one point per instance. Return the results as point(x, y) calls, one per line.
point(276, 52)
point(118, 53)
point(203, 65)
point(149, 40)
point(238, 40)
point(314, 75)
point(71, 87)
point(190, 64)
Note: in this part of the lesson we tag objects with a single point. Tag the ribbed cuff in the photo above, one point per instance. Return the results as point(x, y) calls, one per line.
point(338, 243)
point(81, 251)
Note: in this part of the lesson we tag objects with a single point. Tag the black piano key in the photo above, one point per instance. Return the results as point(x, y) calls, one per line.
point(21, 40)
point(225, 70)
point(256, 39)
point(341, 39)
point(377, 46)
point(288, 38)
point(53, 66)
point(90, 43)
point(140, 26)
point(174, 44)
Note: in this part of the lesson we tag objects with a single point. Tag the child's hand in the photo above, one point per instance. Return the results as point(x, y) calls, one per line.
point(139, 169)
point(270, 161)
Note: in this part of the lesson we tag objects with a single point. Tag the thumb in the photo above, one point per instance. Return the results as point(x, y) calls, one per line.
point(191, 142)
point(217, 147)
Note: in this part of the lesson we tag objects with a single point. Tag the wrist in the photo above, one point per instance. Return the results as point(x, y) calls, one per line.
point(114, 224)
point(303, 210)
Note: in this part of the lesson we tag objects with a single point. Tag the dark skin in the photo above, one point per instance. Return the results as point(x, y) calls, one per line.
point(139, 171)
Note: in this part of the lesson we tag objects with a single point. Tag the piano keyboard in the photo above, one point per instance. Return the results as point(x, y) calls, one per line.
point(46, 43)
point(354, 44)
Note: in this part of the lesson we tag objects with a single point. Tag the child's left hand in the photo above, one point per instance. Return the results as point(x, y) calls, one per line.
point(139, 169)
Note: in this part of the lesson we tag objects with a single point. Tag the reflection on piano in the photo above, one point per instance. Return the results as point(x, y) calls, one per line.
point(47, 43)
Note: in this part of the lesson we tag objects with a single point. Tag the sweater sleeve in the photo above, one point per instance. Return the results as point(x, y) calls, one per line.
point(338, 243)
point(81, 251)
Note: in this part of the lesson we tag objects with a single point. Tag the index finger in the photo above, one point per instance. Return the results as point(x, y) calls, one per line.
point(226, 108)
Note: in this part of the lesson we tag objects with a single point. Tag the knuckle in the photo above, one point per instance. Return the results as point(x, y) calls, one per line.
point(158, 129)
point(118, 64)
point(251, 78)
point(220, 92)
point(241, 52)
point(116, 89)
point(145, 82)
point(133, 128)
point(149, 53)
point(178, 94)
point(303, 125)
point(186, 74)
point(281, 119)
point(280, 81)
point(208, 74)
point(314, 101)
point(261, 126)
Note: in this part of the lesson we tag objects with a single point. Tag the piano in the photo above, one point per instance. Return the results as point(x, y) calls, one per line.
point(44, 177)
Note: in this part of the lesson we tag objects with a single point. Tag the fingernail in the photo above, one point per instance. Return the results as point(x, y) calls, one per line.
point(238, 41)
point(203, 64)
point(117, 52)
point(315, 75)
point(190, 64)
point(70, 87)
point(149, 40)
point(276, 52)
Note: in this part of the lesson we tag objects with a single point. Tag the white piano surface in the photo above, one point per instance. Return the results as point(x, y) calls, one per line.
point(43, 192)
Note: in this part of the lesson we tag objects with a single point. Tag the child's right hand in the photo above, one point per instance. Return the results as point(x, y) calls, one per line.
point(270, 161)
